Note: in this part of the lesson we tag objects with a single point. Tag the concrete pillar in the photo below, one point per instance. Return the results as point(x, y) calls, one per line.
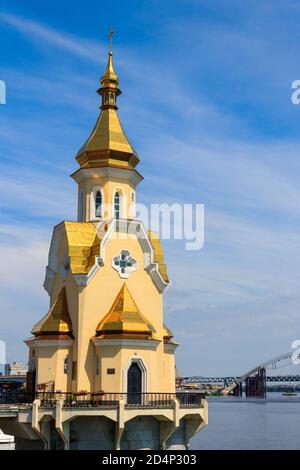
point(63, 429)
point(120, 424)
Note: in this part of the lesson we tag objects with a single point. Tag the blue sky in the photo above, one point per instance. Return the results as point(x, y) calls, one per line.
point(207, 104)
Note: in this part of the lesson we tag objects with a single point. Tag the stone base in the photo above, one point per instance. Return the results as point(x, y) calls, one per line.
point(91, 428)
point(98, 433)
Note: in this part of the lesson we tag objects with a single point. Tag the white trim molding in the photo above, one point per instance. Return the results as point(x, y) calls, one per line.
point(125, 257)
point(93, 216)
point(105, 231)
point(128, 176)
point(55, 343)
point(170, 347)
point(122, 203)
point(130, 343)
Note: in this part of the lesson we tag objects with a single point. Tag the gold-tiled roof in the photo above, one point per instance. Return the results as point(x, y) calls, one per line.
point(83, 246)
point(158, 255)
point(124, 318)
point(57, 321)
point(108, 134)
point(108, 145)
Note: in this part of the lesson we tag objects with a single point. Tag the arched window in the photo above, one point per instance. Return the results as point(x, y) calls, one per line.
point(98, 204)
point(117, 205)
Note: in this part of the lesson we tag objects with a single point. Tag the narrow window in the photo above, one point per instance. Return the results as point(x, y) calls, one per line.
point(117, 205)
point(98, 204)
point(66, 361)
point(97, 365)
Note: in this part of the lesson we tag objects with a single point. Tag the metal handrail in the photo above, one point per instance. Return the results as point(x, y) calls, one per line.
point(102, 399)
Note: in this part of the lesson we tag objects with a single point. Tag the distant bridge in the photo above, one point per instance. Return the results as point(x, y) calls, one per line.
point(255, 379)
point(230, 379)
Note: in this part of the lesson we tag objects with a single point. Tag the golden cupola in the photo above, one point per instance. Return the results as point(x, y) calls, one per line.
point(108, 145)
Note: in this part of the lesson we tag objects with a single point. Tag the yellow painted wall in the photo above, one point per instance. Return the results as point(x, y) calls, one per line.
point(87, 307)
point(50, 366)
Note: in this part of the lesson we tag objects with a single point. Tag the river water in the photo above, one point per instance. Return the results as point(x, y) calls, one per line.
point(239, 424)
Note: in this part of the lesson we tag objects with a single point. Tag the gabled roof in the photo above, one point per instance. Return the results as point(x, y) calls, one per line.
point(124, 318)
point(57, 321)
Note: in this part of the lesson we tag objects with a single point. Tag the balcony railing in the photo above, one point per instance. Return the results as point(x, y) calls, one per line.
point(80, 400)
point(16, 398)
point(190, 399)
point(104, 400)
point(149, 400)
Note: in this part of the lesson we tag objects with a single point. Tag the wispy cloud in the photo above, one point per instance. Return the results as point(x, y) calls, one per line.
point(33, 30)
point(197, 144)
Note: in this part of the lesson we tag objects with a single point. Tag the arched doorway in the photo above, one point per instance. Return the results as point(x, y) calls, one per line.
point(134, 384)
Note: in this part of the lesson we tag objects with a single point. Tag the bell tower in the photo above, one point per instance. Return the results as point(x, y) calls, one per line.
point(107, 178)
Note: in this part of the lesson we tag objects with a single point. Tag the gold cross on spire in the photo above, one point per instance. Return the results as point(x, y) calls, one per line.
point(111, 32)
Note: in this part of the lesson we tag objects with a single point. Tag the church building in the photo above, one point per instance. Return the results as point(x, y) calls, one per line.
point(102, 360)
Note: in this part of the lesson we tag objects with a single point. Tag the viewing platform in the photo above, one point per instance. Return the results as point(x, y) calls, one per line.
point(38, 417)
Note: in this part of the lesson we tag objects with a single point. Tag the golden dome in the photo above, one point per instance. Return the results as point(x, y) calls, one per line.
point(107, 144)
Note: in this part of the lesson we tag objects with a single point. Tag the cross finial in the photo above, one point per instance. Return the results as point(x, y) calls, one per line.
point(111, 32)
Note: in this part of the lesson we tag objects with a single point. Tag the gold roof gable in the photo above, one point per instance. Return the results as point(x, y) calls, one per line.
point(124, 318)
point(57, 321)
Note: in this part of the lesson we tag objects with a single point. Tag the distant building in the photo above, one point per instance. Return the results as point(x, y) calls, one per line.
point(15, 368)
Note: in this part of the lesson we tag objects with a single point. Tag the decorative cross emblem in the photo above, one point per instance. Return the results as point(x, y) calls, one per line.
point(124, 264)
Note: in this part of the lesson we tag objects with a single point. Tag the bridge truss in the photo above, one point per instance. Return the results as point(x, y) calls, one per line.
point(255, 379)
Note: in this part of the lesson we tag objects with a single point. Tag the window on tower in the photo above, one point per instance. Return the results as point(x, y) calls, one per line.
point(66, 362)
point(117, 205)
point(98, 204)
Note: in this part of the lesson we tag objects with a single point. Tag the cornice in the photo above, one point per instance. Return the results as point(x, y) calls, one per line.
point(136, 343)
